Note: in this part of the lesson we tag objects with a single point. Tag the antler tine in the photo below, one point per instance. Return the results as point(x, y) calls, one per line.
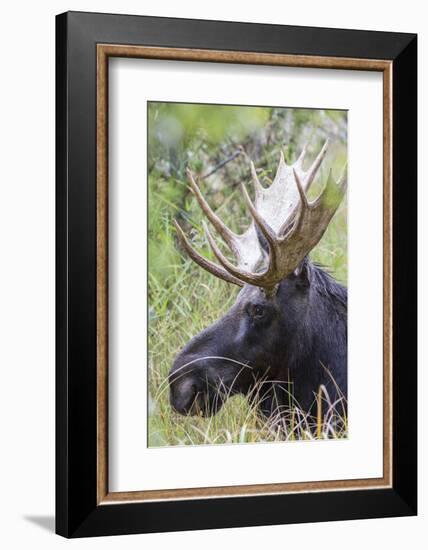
point(267, 278)
point(311, 220)
point(333, 192)
point(290, 223)
point(222, 259)
point(300, 160)
point(223, 230)
point(312, 172)
point(258, 187)
point(257, 279)
point(304, 204)
point(281, 163)
point(264, 227)
point(206, 264)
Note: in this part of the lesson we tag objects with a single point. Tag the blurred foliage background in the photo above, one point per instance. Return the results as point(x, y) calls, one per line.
point(216, 143)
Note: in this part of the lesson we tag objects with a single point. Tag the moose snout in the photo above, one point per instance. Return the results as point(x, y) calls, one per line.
point(184, 394)
point(195, 390)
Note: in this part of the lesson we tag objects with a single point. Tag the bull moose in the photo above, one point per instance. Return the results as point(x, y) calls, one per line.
point(288, 327)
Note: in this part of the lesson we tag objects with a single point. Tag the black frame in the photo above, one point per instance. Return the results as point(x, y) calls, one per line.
point(77, 513)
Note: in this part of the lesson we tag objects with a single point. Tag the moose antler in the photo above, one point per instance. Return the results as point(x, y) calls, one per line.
point(290, 224)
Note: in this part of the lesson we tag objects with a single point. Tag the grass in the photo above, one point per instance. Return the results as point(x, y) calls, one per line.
point(184, 299)
point(240, 422)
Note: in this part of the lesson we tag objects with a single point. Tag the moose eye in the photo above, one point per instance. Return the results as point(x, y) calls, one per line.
point(258, 311)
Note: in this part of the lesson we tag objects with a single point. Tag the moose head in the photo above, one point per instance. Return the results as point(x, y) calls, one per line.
point(289, 319)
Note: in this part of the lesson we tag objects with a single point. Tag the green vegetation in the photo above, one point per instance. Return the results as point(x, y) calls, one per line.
point(184, 299)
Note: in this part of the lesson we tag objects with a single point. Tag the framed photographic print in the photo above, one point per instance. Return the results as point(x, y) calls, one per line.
point(236, 274)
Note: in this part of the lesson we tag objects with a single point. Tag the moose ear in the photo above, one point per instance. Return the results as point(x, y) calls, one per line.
point(302, 274)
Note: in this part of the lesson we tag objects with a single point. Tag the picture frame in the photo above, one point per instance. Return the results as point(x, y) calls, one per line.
point(84, 44)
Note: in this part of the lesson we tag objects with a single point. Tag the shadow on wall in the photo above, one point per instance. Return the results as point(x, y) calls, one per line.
point(45, 522)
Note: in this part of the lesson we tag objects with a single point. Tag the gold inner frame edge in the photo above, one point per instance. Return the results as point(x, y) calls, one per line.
point(104, 51)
